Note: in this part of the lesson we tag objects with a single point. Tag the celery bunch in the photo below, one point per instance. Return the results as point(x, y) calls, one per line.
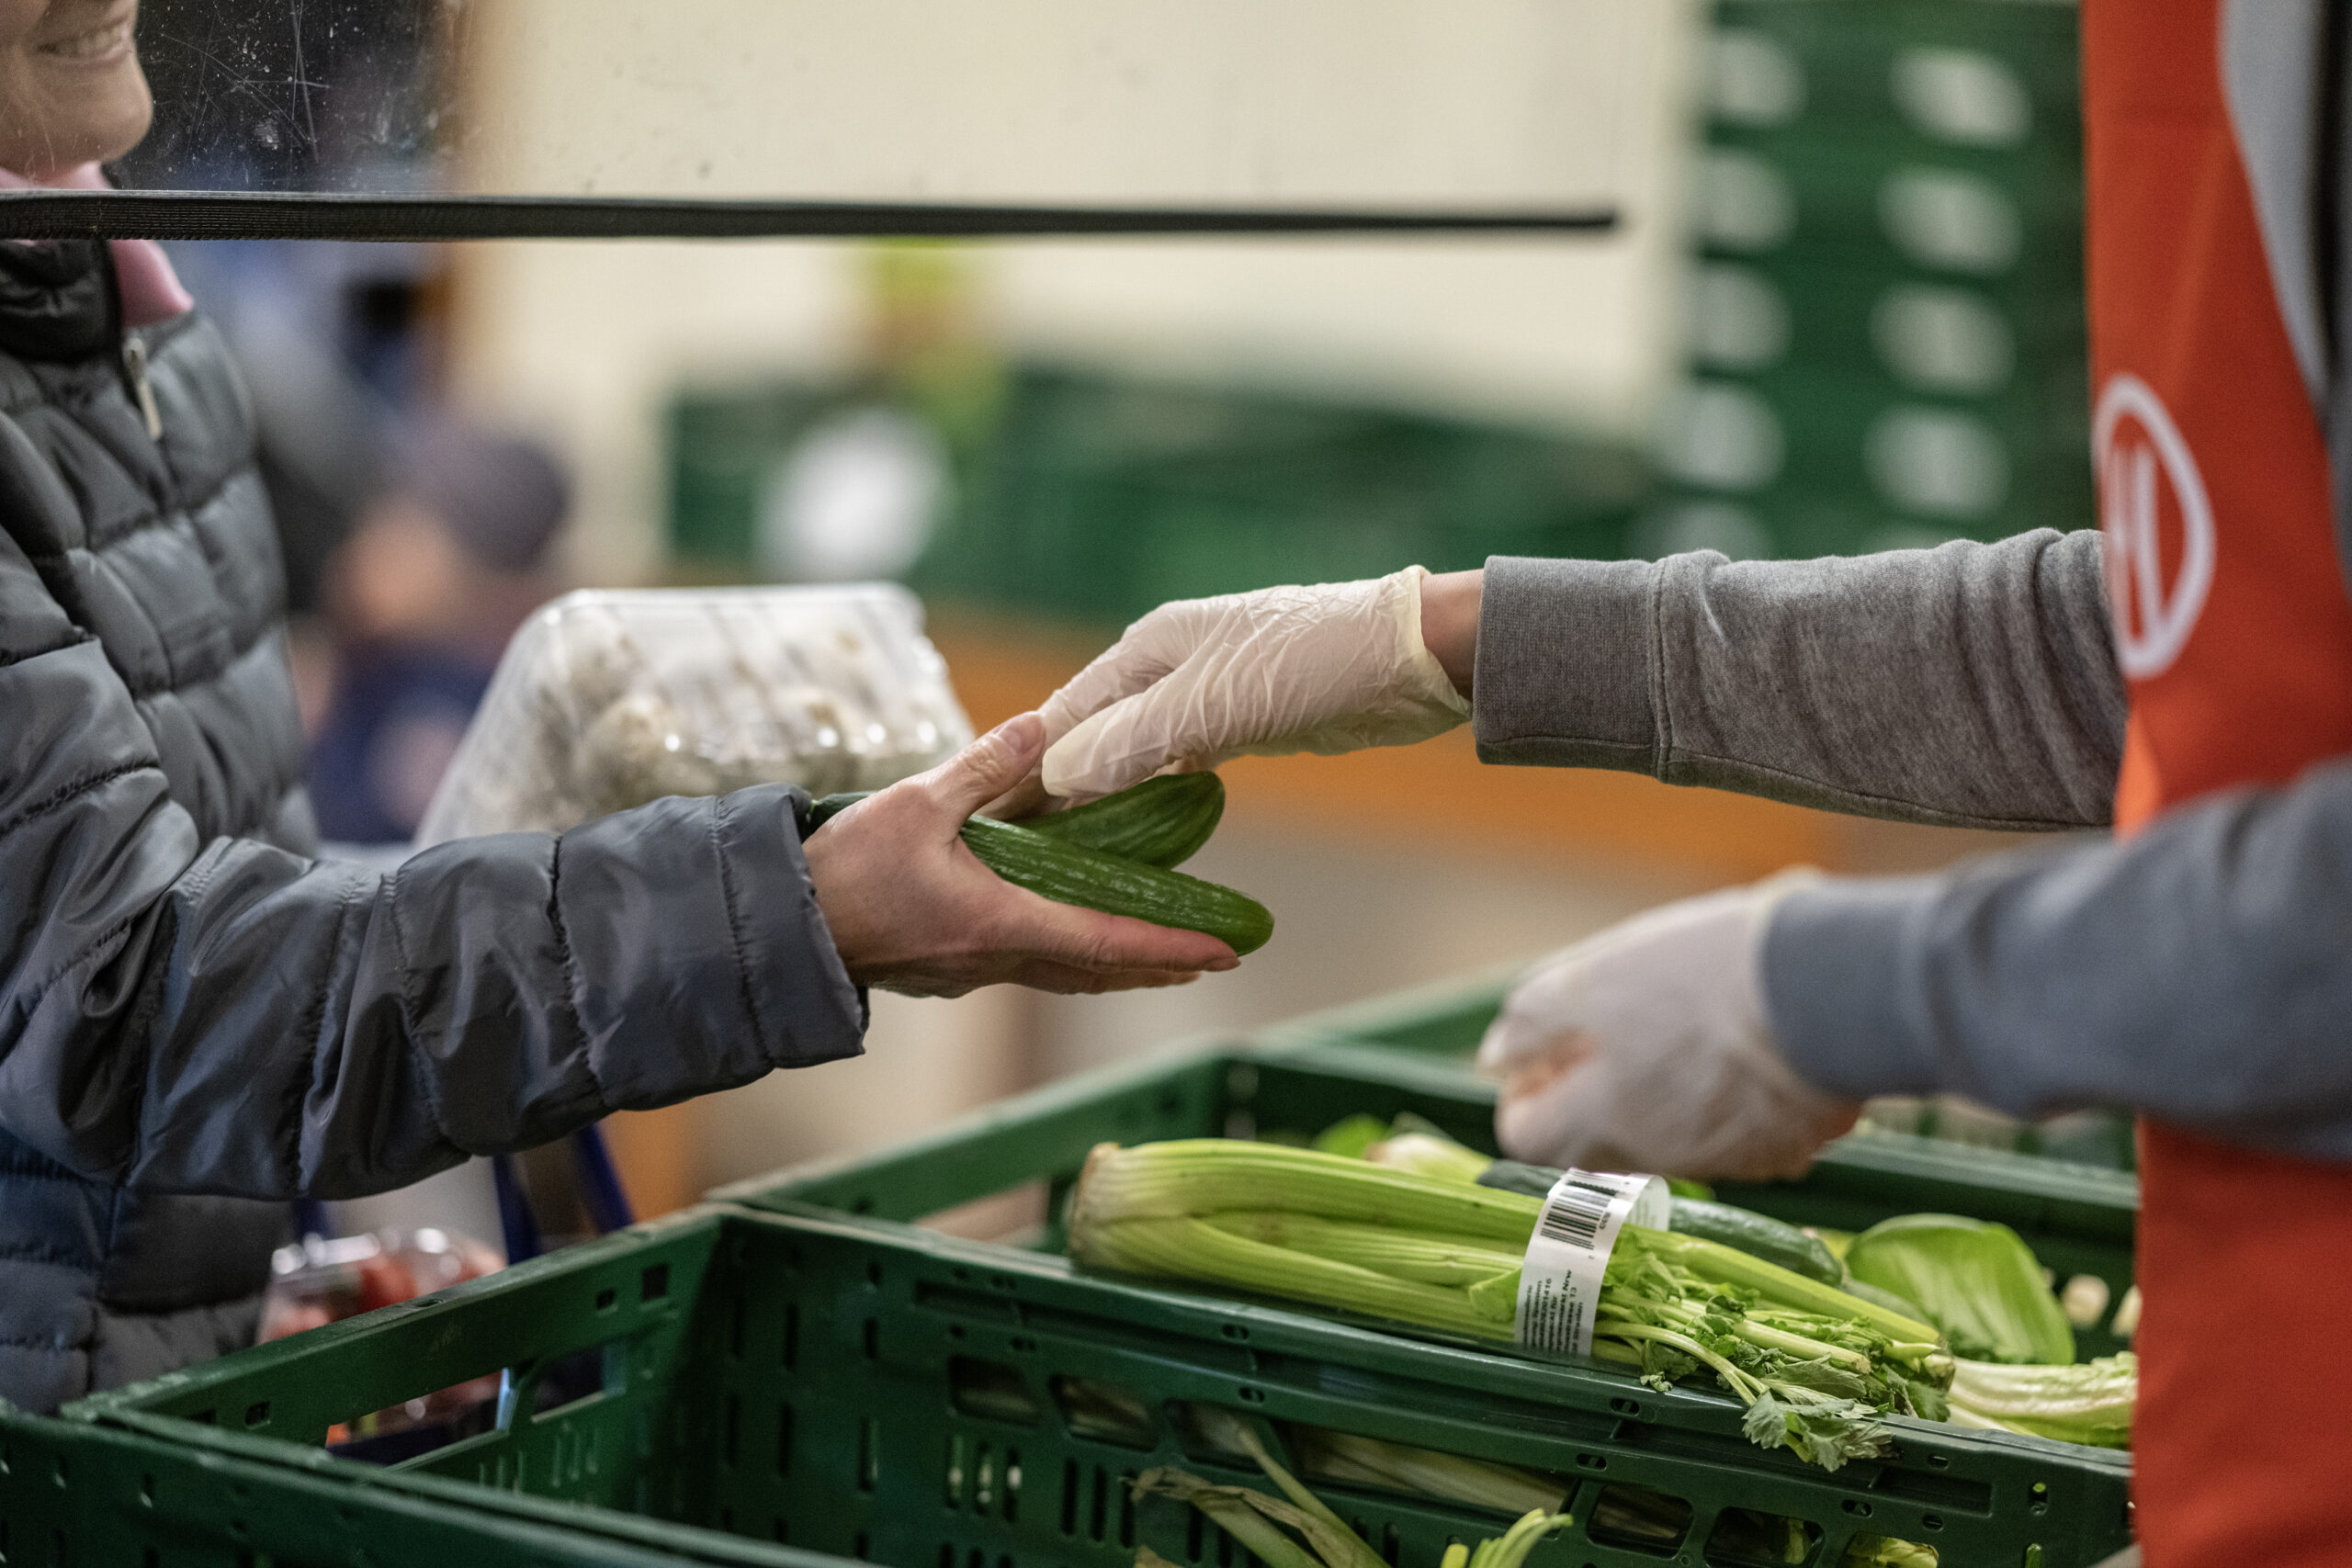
point(1814, 1365)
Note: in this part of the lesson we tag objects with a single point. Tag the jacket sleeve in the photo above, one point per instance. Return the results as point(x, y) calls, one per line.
point(2195, 971)
point(1970, 685)
point(231, 1017)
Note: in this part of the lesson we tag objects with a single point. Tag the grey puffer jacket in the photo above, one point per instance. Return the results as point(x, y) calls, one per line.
point(198, 1021)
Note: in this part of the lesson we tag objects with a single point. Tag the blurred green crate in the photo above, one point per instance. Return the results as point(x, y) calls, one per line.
point(1825, 461)
point(1847, 50)
point(1888, 222)
point(1847, 165)
point(1095, 497)
point(1930, 336)
point(2043, 409)
point(1855, 204)
point(723, 444)
point(1101, 497)
point(871, 1389)
point(105, 1496)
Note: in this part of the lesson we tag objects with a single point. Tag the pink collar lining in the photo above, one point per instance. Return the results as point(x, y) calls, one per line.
point(151, 290)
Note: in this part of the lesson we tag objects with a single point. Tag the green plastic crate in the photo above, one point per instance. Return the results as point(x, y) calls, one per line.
point(1830, 313)
point(1847, 46)
point(1101, 496)
point(870, 1389)
point(1095, 497)
point(2078, 1219)
point(102, 1496)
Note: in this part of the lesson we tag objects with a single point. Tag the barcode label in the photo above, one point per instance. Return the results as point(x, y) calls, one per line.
point(1560, 1280)
point(1574, 1212)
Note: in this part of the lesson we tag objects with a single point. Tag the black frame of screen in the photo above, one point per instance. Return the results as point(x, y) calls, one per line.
point(251, 215)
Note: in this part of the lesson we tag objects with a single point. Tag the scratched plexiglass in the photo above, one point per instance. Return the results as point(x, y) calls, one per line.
point(1508, 103)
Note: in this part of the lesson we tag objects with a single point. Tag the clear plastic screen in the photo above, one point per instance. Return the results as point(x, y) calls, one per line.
point(1501, 104)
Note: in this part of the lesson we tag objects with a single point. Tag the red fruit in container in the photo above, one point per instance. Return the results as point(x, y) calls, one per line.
point(384, 1279)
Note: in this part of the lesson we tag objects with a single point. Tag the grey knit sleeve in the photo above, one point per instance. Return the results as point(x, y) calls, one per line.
point(1972, 684)
point(2194, 971)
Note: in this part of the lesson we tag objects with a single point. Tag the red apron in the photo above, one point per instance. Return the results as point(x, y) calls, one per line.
point(2233, 628)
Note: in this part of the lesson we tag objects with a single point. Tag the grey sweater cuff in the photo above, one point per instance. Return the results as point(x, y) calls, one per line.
point(1832, 974)
point(1566, 663)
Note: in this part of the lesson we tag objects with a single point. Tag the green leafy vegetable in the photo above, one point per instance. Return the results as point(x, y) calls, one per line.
point(1438, 1157)
point(1977, 1281)
point(1351, 1136)
point(1886, 1299)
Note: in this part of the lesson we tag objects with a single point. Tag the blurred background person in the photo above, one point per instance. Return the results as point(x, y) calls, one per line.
point(420, 599)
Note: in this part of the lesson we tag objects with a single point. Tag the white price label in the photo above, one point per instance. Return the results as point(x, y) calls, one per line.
point(1559, 1282)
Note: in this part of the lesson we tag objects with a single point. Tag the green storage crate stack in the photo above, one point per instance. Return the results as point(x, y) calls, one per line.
point(1886, 328)
point(1102, 496)
point(1092, 497)
point(724, 445)
point(799, 1369)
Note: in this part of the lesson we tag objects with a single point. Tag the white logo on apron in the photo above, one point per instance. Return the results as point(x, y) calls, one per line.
point(2157, 523)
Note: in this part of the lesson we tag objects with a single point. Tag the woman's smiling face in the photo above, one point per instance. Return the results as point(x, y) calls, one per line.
point(71, 90)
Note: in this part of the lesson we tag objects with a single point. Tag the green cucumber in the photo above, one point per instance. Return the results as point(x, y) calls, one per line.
point(1759, 1236)
point(1511, 1176)
point(1070, 872)
point(825, 807)
point(1162, 821)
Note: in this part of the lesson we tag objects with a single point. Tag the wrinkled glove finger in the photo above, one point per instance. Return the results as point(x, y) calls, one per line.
point(1135, 738)
point(1145, 654)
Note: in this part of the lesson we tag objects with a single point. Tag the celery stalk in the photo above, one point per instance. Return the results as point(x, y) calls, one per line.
point(1247, 1516)
point(1353, 1460)
point(1205, 1175)
point(1180, 1247)
point(1402, 1254)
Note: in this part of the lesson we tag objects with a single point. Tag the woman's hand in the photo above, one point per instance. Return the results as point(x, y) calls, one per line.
point(912, 909)
point(1331, 668)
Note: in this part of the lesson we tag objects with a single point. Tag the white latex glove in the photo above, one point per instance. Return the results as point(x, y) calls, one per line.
point(1328, 669)
point(1646, 1048)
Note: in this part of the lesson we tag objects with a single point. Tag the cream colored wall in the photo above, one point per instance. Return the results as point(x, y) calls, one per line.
point(1494, 101)
point(1376, 101)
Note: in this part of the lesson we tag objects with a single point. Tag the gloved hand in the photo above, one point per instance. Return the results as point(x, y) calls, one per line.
point(1646, 1048)
point(1327, 668)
